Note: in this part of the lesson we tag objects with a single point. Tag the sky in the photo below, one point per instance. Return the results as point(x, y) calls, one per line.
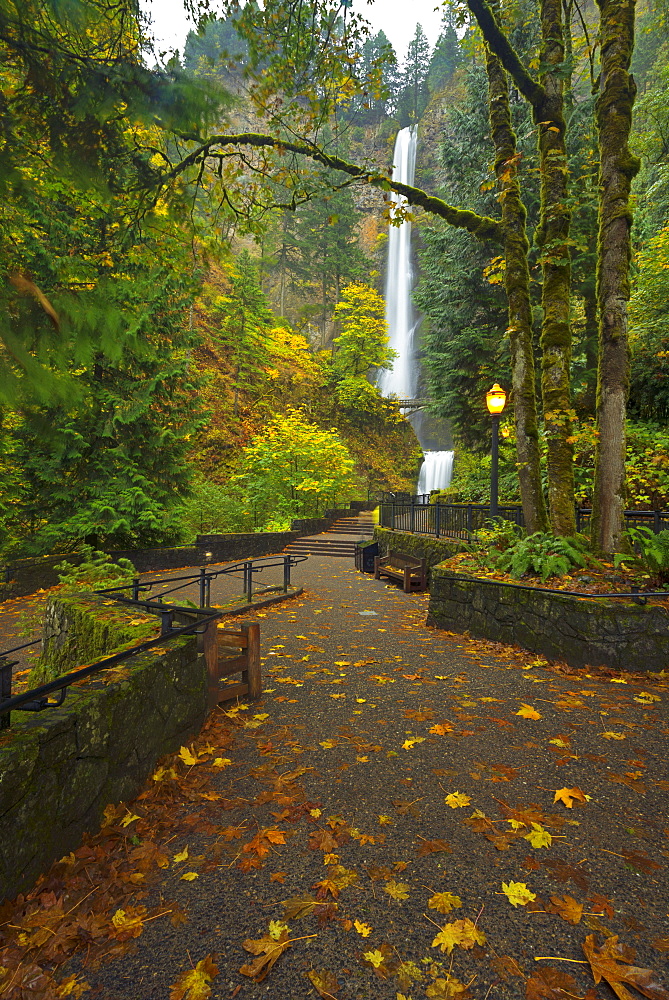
point(171, 24)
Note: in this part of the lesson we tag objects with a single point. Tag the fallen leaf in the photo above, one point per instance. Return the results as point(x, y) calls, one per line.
point(610, 735)
point(324, 982)
point(194, 984)
point(189, 877)
point(463, 933)
point(187, 757)
point(517, 893)
point(396, 890)
point(568, 795)
point(268, 951)
point(363, 929)
point(550, 984)
point(567, 908)
point(181, 856)
point(457, 799)
point(538, 837)
point(527, 712)
point(444, 902)
point(605, 963)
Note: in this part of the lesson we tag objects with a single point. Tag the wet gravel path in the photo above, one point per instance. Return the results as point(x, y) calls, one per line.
point(333, 816)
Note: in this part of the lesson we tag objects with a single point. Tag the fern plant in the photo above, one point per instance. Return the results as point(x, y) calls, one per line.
point(543, 554)
point(650, 549)
point(96, 571)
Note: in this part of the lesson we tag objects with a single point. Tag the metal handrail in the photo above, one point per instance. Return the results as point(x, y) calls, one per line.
point(36, 699)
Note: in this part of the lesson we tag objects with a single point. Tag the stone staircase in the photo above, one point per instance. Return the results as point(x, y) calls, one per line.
point(339, 540)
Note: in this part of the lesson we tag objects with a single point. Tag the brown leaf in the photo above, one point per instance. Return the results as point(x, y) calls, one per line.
point(600, 904)
point(550, 984)
point(324, 982)
point(298, 906)
point(433, 847)
point(505, 967)
point(605, 963)
point(268, 951)
point(567, 908)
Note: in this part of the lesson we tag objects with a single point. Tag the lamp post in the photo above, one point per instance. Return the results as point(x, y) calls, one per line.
point(495, 401)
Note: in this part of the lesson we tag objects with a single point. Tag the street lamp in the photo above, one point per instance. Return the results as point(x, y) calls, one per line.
point(495, 401)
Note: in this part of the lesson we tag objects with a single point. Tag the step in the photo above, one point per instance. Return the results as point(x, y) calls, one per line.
point(344, 550)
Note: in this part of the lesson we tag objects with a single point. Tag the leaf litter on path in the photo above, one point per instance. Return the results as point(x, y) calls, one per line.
point(299, 804)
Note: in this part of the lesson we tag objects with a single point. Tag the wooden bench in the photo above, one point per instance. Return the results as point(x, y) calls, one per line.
point(408, 570)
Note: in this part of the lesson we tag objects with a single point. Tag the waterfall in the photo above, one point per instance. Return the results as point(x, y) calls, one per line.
point(436, 471)
point(400, 314)
point(402, 380)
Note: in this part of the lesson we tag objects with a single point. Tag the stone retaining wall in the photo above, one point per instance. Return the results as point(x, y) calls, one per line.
point(595, 632)
point(59, 768)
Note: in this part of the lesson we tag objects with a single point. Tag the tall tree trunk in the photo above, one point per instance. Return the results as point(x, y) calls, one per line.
point(616, 172)
point(553, 238)
point(517, 280)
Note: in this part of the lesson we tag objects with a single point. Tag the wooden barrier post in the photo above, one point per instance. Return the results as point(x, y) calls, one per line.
point(252, 675)
point(208, 646)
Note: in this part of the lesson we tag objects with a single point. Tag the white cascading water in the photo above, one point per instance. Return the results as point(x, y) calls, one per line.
point(402, 379)
point(436, 471)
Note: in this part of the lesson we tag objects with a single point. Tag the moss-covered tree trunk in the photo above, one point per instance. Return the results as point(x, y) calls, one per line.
point(546, 98)
point(553, 239)
point(617, 169)
point(517, 280)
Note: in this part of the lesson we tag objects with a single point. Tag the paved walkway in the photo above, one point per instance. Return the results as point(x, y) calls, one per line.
point(363, 817)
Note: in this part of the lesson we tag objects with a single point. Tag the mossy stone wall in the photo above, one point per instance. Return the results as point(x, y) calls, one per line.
point(59, 768)
point(594, 632)
point(433, 550)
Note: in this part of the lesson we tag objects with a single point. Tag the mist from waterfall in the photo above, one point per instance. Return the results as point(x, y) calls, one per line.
point(402, 380)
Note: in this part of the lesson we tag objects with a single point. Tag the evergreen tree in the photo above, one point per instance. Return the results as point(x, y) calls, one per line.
point(446, 57)
point(413, 91)
point(378, 73)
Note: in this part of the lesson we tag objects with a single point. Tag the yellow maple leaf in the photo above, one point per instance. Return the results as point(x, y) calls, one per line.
point(194, 984)
point(527, 712)
point(517, 893)
point(441, 728)
point(181, 856)
point(411, 742)
point(538, 837)
point(444, 902)
point(396, 890)
point(222, 761)
point(363, 929)
point(374, 958)
point(567, 796)
point(189, 877)
point(385, 821)
point(447, 938)
point(187, 757)
point(457, 799)
point(610, 735)
point(276, 929)
point(328, 744)
point(130, 818)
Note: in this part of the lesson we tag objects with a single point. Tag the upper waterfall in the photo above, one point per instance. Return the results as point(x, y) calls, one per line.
point(401, 380)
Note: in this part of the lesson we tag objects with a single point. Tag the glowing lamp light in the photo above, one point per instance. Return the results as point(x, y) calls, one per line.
point(495, 400)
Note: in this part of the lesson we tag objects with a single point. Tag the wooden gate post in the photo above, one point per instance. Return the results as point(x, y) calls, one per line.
point(252, 675)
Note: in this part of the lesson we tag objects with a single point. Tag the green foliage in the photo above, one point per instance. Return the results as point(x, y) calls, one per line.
point(95, 572)
point(212, 508)
point(294, 468)
point(543, 554)
point(471, 477)
point(649, 549)
point(497, 534)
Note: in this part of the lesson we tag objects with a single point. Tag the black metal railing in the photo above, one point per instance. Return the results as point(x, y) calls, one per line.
point(38, 699)
point(459, 520)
